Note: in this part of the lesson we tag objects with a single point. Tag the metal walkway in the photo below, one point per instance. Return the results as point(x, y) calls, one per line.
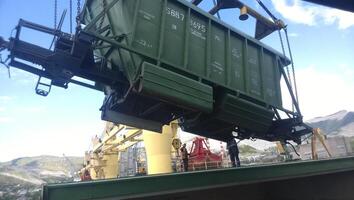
point(324, 179)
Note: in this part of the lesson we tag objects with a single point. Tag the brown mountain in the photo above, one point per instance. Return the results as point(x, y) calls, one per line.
point(22, 178)
point(339, 123)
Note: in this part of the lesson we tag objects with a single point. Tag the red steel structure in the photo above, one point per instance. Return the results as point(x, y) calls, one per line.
point(201, 157)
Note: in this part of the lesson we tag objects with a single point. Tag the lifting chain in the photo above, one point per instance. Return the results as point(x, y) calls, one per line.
point(78, 13)
point(71, 16)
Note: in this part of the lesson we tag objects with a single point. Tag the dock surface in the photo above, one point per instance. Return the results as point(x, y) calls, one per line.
point(323, 179)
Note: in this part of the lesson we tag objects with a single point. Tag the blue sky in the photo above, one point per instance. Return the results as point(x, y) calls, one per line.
point(322, 42)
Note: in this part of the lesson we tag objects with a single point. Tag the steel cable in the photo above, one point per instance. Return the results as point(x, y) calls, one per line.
point(71, 16)
point(55, 13)
point(292, 80)
point(217, 13)
point(4, 62)
point(267, 10)
point(287, 68)
point(292, 64)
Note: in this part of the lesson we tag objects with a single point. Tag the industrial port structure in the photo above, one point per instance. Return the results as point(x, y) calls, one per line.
point(161, 61)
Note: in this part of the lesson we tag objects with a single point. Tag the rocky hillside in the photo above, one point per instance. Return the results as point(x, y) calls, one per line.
point(339, 123)
point(22, 178)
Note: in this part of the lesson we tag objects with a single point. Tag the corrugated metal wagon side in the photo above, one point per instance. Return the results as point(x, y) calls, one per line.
point(181, 62)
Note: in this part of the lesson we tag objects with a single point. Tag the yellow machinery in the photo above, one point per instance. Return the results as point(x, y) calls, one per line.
point(316, 134)
point(280, 148)
point(103, 160)
point(158, 147)
point(283, 150)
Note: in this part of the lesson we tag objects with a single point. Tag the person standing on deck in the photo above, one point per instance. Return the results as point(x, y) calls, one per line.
point(233, 152)
point(185, 154)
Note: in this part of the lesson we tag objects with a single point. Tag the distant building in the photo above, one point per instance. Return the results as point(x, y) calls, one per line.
point(132, 161)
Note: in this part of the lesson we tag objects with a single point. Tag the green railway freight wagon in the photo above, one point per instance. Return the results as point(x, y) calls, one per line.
point(182, 63)
point(164, 60)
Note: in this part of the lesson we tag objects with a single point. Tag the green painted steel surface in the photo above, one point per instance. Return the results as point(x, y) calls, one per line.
point(251, 116)
point(174, 87)
point(177, 34)
point(195, 181)
point(197, 61)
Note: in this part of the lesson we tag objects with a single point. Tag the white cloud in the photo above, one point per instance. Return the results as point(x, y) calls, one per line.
point(33, 109)
point(5, 98)
point(295, 11)
point(2, 109)
point(343, 18)
point(4, 120)
point(322, 93)
point(293, 34)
